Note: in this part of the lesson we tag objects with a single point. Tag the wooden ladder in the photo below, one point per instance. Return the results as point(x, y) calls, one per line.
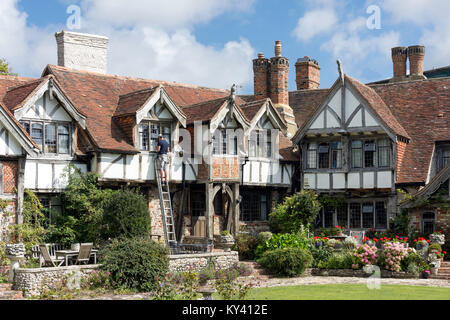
point(166, 211)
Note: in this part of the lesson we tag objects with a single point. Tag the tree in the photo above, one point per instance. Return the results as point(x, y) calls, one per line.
point(296, 211)
point(5, 69)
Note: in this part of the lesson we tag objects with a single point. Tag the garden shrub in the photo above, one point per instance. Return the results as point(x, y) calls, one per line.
point(413, 258)
point(288, 262)
point(264, 236)
point(126, 214)
point(339, 261)
point(435, 246)
point(296, 212)
point(246, 246)
point(392, 256)
point(320, 254)
point(63, 232)
point(136, 263)
point(3, 260)
point(284, 240)
point(366, 254)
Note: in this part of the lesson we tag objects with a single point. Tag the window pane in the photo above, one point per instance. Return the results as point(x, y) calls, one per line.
point(263, 207)
point(224, 141)
point(167, 134)
point(355, 215)
point(269, 144)
point(250, 207)
point(357, 154)
point(50, 138)
point(336, 155)
point(381, 215)
point(252, 144)
point(198, 200)
point(63, 139)
point(328, 214)
point(144, 137)
point(342, 215)
point(37, 134)
point(26, 126)
point(384, 151)
point(154, 136)
point(369, 154)
point(324, 156)
point(311, 154)
point(368, 215)
point(446, 158)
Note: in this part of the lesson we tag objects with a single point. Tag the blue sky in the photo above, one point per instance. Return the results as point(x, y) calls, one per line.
point(212, 42)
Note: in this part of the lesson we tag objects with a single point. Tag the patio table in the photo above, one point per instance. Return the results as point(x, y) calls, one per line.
point(66, 254)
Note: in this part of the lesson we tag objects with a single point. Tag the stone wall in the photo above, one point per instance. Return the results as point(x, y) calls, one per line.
point(7, 218)
point(32, 281)
point(197, 262)
point(154, 207)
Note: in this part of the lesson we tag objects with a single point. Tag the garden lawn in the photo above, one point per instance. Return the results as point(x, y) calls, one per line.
point(350, 292)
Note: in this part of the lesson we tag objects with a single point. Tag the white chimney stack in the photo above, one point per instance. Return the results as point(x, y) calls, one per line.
point(82, 51)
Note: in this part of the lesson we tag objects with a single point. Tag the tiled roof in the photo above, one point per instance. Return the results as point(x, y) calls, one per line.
point(304, 103)
point(250, 109)
point(132, 102)
point(97, 96)
point(378, 105)
point(206, 110)
point(287, 149)
point(16, 96)
point(423, 109)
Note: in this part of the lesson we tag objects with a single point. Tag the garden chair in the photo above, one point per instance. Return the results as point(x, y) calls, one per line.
point(359, 235)
point(48, 261)
point(85, 253)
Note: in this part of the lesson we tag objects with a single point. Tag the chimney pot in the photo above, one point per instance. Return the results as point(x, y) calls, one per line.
point(307, 73)
point(278, 48)
point(399, 58)
point(416, 56)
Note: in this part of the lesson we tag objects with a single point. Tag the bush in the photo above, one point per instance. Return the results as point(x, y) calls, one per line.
point(63, 232)
point(136, 264)
point(3, 260)
point(126, 214)
point(284, 240)
point(321, 254)
point(264, 236)
point(296, 211)
point(339, 261)
point(246, 246)
point(435, 246)
point(414, 258)
point(288, 262)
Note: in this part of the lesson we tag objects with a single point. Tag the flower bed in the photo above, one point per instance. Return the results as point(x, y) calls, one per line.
point(361, 273)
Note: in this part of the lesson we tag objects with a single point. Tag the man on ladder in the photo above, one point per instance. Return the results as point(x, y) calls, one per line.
point(163, 149)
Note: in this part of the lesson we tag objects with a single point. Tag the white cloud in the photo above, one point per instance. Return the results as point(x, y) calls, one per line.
point(431, 16)
point(152, 39)
point(168, 15)
point(315, 22)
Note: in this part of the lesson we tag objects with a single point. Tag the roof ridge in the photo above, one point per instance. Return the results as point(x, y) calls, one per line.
point(121, 77)
point(138, 91)
point(203, 102)
point(373, 84)
point(247, 104)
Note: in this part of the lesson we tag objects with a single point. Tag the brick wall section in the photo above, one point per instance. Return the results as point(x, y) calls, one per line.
point(416, 56)
point(442, 218)
point(225, 168)
point(10, 171)
point(401, 148)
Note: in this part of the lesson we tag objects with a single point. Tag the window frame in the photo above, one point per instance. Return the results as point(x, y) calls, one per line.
point(161, 125)
point(257, 199)
point(44, 124)
point(259, 147)
point(427, 220)
point(376, 156)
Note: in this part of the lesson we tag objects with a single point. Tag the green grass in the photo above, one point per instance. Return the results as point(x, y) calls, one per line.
point(350, 292)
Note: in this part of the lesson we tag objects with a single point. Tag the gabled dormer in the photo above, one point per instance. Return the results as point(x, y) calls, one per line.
point(351, 140)
point(144, 115)
point(47, 115)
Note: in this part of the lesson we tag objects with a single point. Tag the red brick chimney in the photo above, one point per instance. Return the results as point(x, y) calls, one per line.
point(307, 74)
point(261, 73)
point(279, 77)
point(399, 57)
point(416, 56)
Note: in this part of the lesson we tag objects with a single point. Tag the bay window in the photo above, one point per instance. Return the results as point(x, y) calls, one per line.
point(260, 144)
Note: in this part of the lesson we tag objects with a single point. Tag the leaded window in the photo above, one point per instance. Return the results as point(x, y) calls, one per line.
point(355, 215)
point(357, 154)
point(380, 214)
point(369, 154)
point(336, 155)
point(198, 203)
point(324, 156)
point(384, 153)
point(342, 215)
point(254, 206)
point(311, 156)
point(51, 137)
point(328, 213)
point(445, 158)
point(428, 222)
point(367, 215)
point(149, 134)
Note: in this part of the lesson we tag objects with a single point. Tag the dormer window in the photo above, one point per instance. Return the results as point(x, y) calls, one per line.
point(260, 144)
point(223, 144)
point(52, 137)
point(149, 132)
